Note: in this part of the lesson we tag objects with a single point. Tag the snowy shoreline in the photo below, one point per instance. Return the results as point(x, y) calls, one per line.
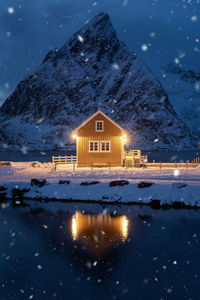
point(178, 188)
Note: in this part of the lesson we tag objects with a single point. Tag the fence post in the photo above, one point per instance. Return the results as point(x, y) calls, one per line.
point(73, 166)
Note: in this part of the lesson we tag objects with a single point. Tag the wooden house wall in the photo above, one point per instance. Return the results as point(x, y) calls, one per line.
point(111, 133)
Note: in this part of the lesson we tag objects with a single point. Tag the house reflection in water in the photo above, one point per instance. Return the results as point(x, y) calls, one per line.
point(99, 232)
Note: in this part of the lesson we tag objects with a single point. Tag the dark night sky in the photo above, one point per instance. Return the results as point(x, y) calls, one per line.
point(30, 28)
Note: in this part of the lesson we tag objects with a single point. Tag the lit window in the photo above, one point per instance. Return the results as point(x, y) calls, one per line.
point(99, 125)
point(93, 146)
point(96, 146)
point(105, 146)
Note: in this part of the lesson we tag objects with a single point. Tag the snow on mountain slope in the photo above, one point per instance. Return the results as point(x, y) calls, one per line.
point(92, 69)
point(183, 87)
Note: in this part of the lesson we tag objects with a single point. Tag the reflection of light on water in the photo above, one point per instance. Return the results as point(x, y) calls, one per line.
point(74, 228)
point(124, 222)
point(99, 231)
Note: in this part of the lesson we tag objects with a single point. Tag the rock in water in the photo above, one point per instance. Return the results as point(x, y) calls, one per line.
point(92, 69)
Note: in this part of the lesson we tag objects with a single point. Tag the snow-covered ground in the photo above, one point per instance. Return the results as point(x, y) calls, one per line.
point(168, 186)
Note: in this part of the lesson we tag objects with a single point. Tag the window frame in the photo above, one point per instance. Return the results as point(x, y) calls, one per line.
point(99, 130)
point(93, 142)
point(99, 147)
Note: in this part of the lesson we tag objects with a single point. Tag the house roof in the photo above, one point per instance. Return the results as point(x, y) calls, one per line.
point(93, 115)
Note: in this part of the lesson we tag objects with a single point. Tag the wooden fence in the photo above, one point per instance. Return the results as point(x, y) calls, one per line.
point(173, 165)
point(142, 162)
point(59, 160)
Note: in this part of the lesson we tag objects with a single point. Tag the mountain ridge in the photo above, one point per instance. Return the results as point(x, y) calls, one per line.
point(92, 69)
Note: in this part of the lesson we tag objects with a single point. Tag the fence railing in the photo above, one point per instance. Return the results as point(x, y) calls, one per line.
point(67, 159)
point(139, 161)
point(174, 165)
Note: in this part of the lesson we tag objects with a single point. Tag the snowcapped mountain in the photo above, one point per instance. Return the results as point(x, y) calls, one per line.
point(92, 69)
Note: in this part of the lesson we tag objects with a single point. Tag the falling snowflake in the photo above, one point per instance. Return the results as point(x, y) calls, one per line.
point(197, 86)
point(144, 47)
point(194, 18)
point(115, 66)
point(94, 4)
point(11, 10)
point(176, 172)
point(6, 84)
point(24, 149)
point(125, 3)
point(152, 34)
point(80, 38)
point(176, 60)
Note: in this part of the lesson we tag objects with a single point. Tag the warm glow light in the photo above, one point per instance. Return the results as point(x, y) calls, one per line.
point(74, 136)
point(124, 139)
point(124, 227)
point(99, 232)
point(74, 228)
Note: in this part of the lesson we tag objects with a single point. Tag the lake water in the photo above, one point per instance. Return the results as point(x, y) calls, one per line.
point(82, 251)
point(46, 156)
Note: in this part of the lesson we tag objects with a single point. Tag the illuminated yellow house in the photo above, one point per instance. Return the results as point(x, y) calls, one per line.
point(99, 141)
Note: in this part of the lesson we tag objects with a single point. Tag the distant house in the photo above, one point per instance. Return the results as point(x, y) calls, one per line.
point(99, 141)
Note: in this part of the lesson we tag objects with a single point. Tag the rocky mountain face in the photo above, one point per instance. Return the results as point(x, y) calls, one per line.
point(92, 70)
point(184, 91)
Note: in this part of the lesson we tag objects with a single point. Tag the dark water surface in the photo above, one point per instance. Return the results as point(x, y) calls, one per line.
point(46, 156)
point(77, 251)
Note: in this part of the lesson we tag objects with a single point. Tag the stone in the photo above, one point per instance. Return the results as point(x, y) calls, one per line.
point(19, 192)
point(119, 183)
point(142, 185)
point(39, 183)
point(89, 182)
point(64, 182)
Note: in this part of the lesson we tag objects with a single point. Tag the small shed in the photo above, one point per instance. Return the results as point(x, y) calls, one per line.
point(99, 141)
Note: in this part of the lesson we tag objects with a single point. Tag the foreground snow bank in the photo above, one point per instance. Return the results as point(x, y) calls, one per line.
point(172, 187)
point(176, 194)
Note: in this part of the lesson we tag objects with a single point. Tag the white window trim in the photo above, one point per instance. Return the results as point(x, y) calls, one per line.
point(94, 151)
point(102, 126)
point(99, 147)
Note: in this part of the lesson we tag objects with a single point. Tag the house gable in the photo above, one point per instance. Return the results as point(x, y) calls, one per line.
point(89, 127)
